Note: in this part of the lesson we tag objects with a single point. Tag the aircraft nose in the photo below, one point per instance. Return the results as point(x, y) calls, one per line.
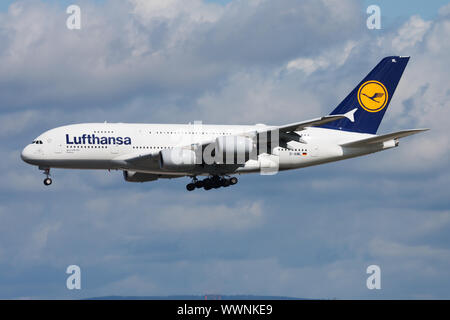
point(26, 154)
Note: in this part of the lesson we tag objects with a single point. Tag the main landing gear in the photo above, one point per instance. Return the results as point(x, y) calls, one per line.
point(210, 183)
point(47, 180)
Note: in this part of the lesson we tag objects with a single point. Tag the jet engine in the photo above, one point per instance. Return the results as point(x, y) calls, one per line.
point(177, 159)
point(231, 147)
point(133, 176)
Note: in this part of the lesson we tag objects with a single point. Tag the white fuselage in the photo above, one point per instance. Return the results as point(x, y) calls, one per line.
point(106, 145)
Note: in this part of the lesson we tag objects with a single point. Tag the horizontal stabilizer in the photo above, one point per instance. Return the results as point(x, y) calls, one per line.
point(383, 138)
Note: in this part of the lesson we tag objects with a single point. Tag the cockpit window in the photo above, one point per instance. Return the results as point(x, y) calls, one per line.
point(37, 142)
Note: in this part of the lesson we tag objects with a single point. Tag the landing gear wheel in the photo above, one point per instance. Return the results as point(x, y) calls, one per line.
point(212, 182)
point(199, 184)
point(47, 180)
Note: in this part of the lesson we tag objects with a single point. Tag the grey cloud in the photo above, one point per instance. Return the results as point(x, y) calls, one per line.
point(115, 57)
point(259, 32)
point(307, 233)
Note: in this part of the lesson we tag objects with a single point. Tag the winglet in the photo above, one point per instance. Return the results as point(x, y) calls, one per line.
point(351, 115)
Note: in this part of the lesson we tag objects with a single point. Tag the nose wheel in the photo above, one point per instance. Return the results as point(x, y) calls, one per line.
point(47, 180)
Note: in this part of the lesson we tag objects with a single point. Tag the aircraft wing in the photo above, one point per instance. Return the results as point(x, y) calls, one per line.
point(382, 138)
point(284, 130)
point(298, 126)
point(287, 132)
point(138, 159)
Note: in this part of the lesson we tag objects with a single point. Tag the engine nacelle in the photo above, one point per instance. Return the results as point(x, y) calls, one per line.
point(133, 176)
point(177, 159)
point(390, 144)
point(233, 149)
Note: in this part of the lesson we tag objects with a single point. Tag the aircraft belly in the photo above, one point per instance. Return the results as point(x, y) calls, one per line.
point(76, 164)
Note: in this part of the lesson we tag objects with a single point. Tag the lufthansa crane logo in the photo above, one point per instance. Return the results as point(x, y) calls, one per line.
point(372, 96)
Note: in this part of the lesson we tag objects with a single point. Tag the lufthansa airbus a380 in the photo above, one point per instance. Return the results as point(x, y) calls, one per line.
point(148, 152)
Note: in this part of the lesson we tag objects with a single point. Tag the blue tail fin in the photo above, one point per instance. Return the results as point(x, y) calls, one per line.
point(371, 97)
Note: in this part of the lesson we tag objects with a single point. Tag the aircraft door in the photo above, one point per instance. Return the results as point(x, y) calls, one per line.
point(57, 146)
point(114, 148)
point(314, 151)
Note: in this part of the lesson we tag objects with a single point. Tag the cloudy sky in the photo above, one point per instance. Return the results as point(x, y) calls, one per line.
point(307, 233)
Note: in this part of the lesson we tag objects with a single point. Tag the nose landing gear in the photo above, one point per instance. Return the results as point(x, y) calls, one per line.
point(47, 180)
point(210, 183)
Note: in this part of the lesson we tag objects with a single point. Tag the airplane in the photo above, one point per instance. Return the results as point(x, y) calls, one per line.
point(212, 155)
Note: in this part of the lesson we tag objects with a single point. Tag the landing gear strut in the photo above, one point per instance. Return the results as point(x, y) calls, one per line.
point(211, 182)
point(47, 180)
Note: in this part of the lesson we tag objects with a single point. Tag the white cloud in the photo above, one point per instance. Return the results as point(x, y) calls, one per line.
point(410, 34)
point(15, 123)
point(329, 60)
point(196, 10)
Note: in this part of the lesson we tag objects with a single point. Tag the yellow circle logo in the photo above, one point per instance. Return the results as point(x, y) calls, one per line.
point(372, 96)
